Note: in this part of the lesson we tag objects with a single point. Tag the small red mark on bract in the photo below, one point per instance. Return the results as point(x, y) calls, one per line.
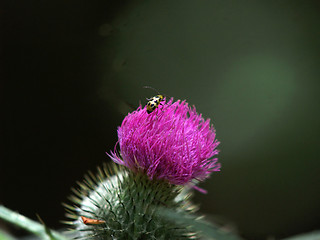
point(90, 221)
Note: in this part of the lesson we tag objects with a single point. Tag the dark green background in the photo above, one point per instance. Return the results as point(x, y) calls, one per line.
point(71, 68)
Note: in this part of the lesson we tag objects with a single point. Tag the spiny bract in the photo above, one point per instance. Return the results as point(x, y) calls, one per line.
point(128, 203)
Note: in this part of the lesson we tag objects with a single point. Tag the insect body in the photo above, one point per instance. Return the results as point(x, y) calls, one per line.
point(89, 221)
point(154, 102)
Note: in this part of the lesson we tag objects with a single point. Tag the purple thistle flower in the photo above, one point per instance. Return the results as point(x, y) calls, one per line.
point(173, 143)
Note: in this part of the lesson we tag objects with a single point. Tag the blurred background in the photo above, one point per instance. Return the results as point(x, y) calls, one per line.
point(72, 69)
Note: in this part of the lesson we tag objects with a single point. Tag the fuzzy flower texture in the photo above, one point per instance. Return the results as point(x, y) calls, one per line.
point(173, 143)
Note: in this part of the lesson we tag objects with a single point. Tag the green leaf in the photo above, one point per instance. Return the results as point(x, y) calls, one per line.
point(29, 225)
point(5, 236)
point(209, 230)
point(306, 236)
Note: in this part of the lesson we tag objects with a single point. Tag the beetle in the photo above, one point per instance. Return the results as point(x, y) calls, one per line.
point(154, 102)
point(90, 221)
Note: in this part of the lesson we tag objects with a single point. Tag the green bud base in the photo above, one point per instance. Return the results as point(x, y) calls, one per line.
point(127, 205)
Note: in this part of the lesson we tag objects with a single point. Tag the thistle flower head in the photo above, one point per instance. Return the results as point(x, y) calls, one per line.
point(173, 143)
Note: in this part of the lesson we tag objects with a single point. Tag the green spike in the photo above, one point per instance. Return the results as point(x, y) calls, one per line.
point(128, 203)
